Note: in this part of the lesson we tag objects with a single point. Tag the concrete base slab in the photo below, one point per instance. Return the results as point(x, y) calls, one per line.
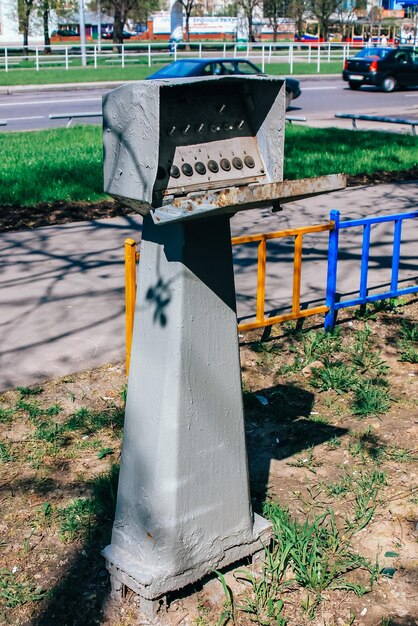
point(126, 571)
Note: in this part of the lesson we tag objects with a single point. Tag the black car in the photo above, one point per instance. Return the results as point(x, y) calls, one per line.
point(221, 67)
point(108, 34)
point(387, 68)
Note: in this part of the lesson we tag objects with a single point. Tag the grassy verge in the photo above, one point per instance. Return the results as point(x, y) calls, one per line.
point(66, 164)
point(27, 75)
point(57, 164)
point(75, 75)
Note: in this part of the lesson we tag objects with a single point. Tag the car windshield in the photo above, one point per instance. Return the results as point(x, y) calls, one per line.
point(373, 53)
point(244, 67)
point(179, 69)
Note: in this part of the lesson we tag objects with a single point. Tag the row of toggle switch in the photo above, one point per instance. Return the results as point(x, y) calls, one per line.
point(212, 166)
point(214, 128)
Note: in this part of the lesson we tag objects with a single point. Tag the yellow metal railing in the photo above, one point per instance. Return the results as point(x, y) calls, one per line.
point(296, 313)
point(132, 256)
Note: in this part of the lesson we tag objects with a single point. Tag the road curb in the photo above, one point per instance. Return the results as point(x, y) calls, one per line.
point(13, 89)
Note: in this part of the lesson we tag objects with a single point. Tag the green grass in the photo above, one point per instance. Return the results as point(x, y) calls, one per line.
point(57, 164)
point(408, 343)
point(16, 592)
point(75, 75)
point(317, 551)
point(66, 164)
point(302, 67)
point(26, 74)
point(321, 151)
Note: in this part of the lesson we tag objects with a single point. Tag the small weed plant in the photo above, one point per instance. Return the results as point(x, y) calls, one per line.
point(367, 488)
point(370, 398)
point(335, 375)
point(356, 369)
point(408, 342)
point(15, 591)
point(319, 555)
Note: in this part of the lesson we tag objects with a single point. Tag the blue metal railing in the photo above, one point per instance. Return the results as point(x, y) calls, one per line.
point(363, 297)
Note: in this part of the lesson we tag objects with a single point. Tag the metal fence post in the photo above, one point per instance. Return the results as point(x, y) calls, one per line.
point(364, 269)
point(200, 50)
point(397, 237)
point(319, 58)
point(291, 58)
point(175, 51)
point(66, 57)
point(95, 56)
point(6, 64)
point(262, 58)
point(329, 52)
point(123, 55)
point(261, 279)
point(37, 58)
point(329, 320)
point(130, 294)
point(149, 55)
point(224, 49)
point(309, 53)
point(297, 273)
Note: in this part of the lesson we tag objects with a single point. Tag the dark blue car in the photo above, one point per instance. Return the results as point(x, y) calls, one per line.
point(384, 67)
point(221, 67)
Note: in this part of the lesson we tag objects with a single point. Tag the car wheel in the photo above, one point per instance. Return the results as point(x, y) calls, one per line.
point(354, 86)
point(289, 98)
point(389, 84)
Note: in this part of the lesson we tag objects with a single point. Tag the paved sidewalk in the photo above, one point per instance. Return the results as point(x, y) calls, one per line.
point(62, 287)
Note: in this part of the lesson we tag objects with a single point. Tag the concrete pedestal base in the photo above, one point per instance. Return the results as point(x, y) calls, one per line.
point(183, 506)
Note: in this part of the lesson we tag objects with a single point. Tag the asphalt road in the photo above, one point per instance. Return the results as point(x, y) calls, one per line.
point(320, 100)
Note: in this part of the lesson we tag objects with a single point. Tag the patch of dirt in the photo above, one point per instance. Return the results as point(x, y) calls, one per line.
point(14, 218)
point(58, 443)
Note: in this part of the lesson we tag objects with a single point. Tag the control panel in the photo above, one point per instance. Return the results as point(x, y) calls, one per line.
point(207, 143)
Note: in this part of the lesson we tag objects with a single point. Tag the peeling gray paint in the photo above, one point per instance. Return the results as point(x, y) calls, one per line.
point(183, 504)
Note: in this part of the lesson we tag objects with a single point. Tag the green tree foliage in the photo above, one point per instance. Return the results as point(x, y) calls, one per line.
point(323, 9)
point(298, 10)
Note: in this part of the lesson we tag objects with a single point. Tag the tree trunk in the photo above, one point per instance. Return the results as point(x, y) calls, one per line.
point(119, 20)
point(47, 40)
point(299, 27)
point(188, 28)
point(26, 25)
point(25, 36)
point(275, 29)
point(250, 26)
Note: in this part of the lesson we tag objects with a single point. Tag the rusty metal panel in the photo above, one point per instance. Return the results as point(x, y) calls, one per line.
point(233, 199)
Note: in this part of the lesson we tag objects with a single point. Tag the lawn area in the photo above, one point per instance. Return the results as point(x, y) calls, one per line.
point(331, 425)
point(137, 71)
point(75, 75)
point(66, 164)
